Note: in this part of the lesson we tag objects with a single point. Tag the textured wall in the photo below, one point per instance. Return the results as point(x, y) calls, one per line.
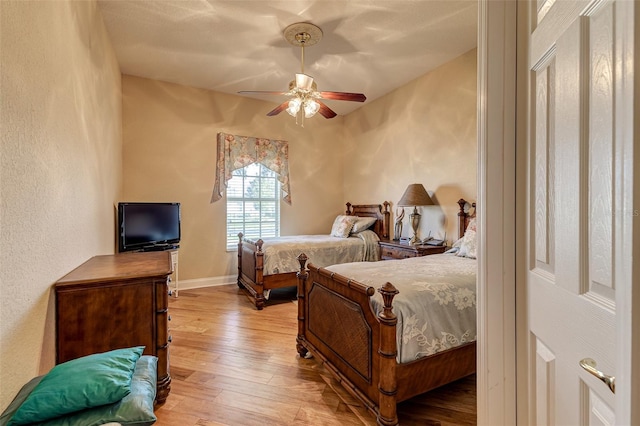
point(60, 111)
point(169, 150)
point(424, 132)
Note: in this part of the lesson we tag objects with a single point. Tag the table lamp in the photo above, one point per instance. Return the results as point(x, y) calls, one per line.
point(415, 195)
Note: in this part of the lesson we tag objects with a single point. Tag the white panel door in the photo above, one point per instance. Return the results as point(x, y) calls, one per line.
point(577, 189)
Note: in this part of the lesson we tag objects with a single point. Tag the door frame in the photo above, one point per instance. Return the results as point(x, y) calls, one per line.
point(628, 214)
point(502, 176)
point(496, 363)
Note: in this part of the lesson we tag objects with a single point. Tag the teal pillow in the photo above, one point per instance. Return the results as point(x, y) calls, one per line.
point(82, 383)
point(135, 409)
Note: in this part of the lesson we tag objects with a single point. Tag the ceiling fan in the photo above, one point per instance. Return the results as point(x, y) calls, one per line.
point(304, 97)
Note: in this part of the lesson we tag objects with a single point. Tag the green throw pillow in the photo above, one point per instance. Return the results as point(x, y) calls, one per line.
point(79, 384)
point(135, 409)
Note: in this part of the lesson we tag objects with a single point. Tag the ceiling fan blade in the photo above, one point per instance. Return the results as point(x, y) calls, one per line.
point(343, 96)
point(326, 111)
point(260, 92)
point(277, 110)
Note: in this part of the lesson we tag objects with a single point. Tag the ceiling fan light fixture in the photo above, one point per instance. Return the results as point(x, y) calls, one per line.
point(303, 91)
point(310, 108)
point(294, 107)
point(304, 82)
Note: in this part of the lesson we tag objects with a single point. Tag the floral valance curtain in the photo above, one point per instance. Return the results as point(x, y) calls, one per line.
point(236, 152)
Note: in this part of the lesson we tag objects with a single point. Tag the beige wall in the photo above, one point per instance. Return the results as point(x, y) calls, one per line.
point(60, 110)
point(169, 143)
point(423, 132)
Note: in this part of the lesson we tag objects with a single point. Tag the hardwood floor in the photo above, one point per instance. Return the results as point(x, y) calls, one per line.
point(234, 365)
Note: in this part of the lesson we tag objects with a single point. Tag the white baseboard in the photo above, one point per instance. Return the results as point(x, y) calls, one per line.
point(207, 282)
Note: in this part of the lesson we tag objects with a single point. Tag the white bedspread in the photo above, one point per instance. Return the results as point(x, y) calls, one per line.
point(436, 306)
point(281, 253)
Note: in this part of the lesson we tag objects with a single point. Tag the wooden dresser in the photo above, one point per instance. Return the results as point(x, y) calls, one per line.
point(394, 250)
point(116, 301)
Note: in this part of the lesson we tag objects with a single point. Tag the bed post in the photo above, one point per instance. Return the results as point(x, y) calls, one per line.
point(464, 217)
point(388, 386)
point(302, 280)
point(260, 300)
point(240, 235)
point(461, 217)
point(348, 212)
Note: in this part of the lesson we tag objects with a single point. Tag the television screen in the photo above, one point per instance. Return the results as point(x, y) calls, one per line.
point(148, 226)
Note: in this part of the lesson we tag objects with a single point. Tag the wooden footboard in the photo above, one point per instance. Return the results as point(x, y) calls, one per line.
point(250, 272)
point(337, 324)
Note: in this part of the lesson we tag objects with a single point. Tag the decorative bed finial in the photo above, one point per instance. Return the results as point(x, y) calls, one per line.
point(302, 258)
point(388, 292)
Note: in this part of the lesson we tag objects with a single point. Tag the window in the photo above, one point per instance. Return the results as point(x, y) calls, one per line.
point(253, 204)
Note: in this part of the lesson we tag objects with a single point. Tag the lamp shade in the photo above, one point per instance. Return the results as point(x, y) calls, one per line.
point(415, 195)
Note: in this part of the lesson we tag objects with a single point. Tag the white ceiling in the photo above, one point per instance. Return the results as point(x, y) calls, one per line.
point(368, 46)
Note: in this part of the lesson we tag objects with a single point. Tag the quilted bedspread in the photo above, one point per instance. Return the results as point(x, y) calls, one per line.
point(436, 306)
point(281, 253)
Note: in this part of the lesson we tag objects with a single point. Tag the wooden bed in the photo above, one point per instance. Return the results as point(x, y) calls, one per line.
point(251, 260)
point(365, 361)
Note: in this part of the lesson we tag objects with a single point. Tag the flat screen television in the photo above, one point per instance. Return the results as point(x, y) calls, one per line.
point(148, 226)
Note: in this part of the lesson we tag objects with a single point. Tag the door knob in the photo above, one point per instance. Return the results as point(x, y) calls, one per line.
point(590, 365)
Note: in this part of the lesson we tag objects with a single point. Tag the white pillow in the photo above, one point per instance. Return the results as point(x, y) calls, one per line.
point(469, 246)
point(458, 243)
point(342, 225)
point(455, 247)
point(362, 223)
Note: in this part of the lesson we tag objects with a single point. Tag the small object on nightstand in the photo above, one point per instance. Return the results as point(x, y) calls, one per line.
point(430, 241)
point(398, 227)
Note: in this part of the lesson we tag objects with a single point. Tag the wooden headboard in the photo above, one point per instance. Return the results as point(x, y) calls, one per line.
point(464, 217)
point(381, 227)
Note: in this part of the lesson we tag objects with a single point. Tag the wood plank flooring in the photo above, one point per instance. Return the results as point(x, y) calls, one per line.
point(234, 365)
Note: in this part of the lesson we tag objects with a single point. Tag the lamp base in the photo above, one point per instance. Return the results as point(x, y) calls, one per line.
point(415, 223)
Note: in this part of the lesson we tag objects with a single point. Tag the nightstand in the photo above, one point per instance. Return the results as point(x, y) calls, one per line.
point(394, 250)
